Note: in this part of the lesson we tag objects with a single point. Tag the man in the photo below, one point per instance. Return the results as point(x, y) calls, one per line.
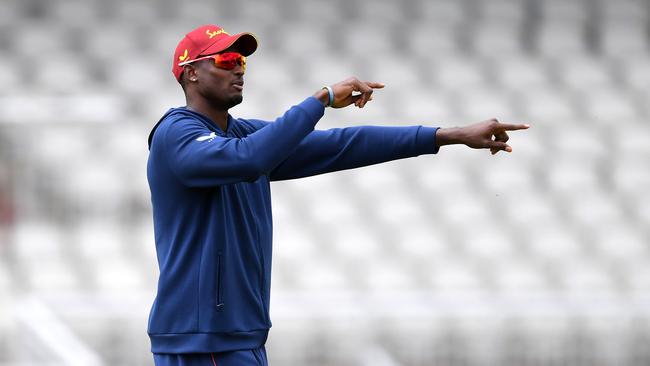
point(209, 177)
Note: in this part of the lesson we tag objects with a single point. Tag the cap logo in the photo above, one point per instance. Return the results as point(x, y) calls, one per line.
point(215, 33)
point(183, 57)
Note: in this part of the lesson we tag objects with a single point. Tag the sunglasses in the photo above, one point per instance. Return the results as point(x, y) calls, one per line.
point(226, 60)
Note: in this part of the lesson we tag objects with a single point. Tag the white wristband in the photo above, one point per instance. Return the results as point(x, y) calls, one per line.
point(330, 91)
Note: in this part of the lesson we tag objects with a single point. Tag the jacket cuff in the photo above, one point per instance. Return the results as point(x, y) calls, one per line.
point(314, 108)
point(425, 140)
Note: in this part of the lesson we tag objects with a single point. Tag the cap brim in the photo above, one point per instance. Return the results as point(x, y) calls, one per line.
point(246, 44)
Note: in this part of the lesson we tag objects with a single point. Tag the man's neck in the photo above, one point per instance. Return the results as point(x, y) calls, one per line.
point(217, 115)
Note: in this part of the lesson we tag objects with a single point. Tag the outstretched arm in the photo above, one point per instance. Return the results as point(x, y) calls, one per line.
point(353, 147)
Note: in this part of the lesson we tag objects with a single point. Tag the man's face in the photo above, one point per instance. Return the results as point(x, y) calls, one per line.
point(220, 87)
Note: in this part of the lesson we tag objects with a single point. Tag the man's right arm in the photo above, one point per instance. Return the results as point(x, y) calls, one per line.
point(198, 157)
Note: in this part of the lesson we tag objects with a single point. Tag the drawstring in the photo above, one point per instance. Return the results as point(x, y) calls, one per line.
point(213, 361)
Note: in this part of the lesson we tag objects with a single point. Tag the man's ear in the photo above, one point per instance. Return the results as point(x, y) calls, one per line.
point(190, 73)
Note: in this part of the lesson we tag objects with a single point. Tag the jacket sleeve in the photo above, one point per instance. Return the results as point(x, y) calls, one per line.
point(353, 147)
point(198, 161)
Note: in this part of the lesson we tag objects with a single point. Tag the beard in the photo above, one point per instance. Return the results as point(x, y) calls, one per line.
point(222, 102)
point(234, 100)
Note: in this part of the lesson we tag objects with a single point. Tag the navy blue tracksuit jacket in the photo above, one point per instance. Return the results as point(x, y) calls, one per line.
point(212, 220)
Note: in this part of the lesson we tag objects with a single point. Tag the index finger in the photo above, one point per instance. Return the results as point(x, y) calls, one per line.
point(375, 85)
point(512, 127)
point(361, 86)
point(372, 85)
point(366, 92)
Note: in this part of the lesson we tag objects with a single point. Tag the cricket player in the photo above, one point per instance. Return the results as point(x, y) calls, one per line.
point(209, 174)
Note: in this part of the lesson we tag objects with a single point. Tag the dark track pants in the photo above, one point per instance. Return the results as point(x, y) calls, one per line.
point(252, 357)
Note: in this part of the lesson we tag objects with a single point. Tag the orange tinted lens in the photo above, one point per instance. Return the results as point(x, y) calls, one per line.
point(230, 60)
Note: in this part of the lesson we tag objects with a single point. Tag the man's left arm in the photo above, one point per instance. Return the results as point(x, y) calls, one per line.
point(353, 147)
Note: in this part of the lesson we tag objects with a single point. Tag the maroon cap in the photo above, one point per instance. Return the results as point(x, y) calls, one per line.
point(207, 40)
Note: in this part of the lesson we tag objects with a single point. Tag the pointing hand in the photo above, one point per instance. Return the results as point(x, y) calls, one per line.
point(349, 91)
point(490, 134)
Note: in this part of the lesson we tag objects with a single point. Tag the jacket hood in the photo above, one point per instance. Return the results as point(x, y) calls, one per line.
point(155, 127)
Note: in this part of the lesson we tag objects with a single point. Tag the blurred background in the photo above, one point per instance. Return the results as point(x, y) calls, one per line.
point(540, 257)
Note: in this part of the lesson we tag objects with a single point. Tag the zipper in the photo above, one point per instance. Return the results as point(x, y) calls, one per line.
point(219, 275)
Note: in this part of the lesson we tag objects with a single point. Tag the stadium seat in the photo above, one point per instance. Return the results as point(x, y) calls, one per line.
point(437, 12)
point(325, 12)
point(115, 42)
point(507, 11)
point(487, 242)
point(95, 247)
point(139, 76)
point(7, 281)
point(118, 275)
point(501, 38)
point(366, 39)
point(430, 40)
point(136, 12)
point(38, 241)
point(320, 275)
point(549, 106)
point(384, 12)
point(528, 209)
point(44, 258)
point(294, 244)
point(520, 73)
point(635, 72)
point(299, 40)
point(584, 73)
point(481, 104)
point(553, 245)
point(455, 276)
point(630, 176)
point(77, 12)
point(9, 76)
point(624, 40)
point(386, 275)
point(456, 74)
point(354, 244)
point(605, 106)
point(570, 173)
point(563, 11)
point(394, 70)
point(563, 38)
point(618, 242)
point(592, 208)
point(423, 242)
point(586, 277)
point(458, 211)
point(587, 145)
point(637, 279)
point(394, 211)
point(519, 278)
